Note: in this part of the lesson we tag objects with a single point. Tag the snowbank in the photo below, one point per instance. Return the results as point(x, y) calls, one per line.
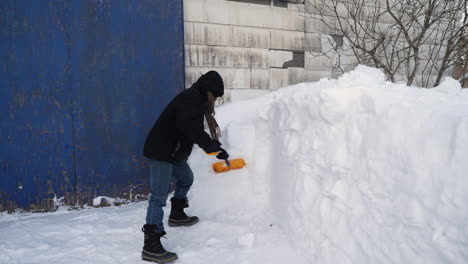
point(355, 170)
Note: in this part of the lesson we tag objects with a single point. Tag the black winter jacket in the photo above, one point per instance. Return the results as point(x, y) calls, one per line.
point(180, 125)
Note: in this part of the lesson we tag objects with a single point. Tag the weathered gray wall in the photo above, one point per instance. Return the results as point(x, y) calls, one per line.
point(262, 44)
point(253, 46)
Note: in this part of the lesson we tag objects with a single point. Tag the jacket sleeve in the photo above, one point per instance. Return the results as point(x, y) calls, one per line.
point(189, 119)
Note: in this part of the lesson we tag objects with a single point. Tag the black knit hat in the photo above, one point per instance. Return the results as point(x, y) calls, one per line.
point(212, 81)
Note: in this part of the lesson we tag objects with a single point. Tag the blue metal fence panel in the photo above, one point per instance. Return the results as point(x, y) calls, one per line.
point(36, 150)
point(130, 61)
point(81, 84)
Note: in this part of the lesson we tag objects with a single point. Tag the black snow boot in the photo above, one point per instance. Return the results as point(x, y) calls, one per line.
point(177, 216)
point(153, 249)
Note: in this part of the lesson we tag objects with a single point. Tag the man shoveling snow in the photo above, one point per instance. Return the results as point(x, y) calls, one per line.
point(168, 146)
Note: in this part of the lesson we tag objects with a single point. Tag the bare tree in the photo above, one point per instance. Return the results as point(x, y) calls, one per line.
point(414, 40)
point(461, 64)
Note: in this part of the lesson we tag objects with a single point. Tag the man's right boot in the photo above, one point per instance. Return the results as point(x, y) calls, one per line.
point(178, 216)
point(153, 249)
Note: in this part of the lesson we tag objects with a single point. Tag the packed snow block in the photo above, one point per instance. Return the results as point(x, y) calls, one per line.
point(246, 240)
point(356, 170)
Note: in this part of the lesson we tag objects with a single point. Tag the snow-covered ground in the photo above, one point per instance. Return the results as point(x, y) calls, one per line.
point(355, 170)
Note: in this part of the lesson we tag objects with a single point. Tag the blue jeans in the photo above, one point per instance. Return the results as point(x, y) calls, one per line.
point(161, 174)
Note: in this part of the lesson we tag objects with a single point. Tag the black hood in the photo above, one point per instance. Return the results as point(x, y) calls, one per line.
point(211, 81)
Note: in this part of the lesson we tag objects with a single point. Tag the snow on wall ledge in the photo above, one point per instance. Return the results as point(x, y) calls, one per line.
point(359, 170)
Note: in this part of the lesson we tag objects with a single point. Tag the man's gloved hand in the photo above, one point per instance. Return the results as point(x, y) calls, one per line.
point(214, 146)
point(222, 155)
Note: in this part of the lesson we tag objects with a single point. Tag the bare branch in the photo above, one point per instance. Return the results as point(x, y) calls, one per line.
point(416, 37)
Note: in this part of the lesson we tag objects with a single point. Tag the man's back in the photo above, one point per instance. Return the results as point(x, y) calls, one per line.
point(167, 132)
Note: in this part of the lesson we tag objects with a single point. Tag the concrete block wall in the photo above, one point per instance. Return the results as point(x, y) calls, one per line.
point(256, 47)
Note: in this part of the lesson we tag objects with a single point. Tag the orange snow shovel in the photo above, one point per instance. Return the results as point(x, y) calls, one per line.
point(227, 165)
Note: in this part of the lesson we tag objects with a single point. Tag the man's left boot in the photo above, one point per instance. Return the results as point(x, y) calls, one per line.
point(177, 216)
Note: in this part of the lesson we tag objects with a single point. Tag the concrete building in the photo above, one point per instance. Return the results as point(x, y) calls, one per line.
point(256, 45)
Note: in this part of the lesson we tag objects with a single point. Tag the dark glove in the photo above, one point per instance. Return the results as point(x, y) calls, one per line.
point(213, 146)
point(223, 155)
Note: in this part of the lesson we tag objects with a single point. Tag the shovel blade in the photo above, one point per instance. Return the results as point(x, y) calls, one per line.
point(222, 166)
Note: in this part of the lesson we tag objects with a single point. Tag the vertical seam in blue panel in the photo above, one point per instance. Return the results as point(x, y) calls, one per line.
point(183, 41)
point(72, 106)
point(74, 169)
point(75, 187)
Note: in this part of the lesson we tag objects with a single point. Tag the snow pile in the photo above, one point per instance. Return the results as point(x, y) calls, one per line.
point(355, 170)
